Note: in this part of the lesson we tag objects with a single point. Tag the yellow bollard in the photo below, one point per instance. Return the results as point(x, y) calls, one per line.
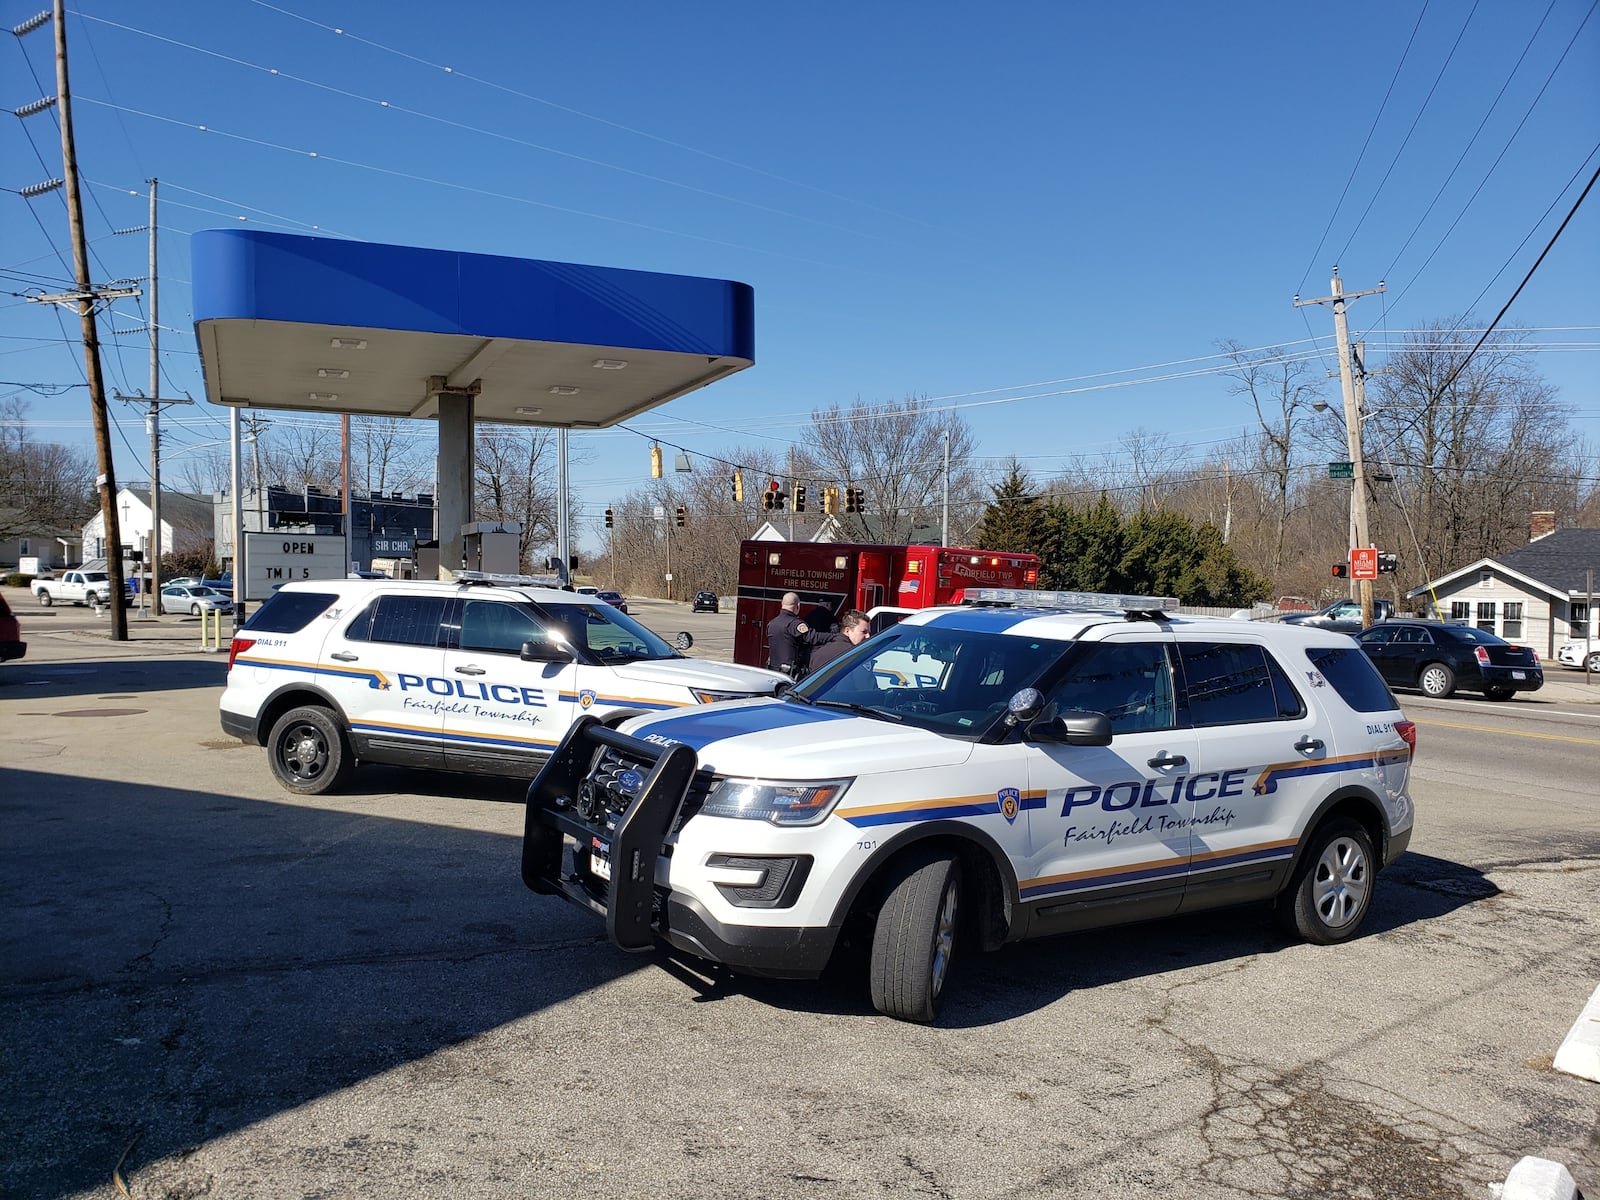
point(209, 639)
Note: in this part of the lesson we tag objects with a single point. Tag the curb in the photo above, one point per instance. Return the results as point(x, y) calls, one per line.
point(1580, 1052)
point(1536, 1179)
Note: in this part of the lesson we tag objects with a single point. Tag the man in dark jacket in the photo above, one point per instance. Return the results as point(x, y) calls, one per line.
point(853, 627)
point(789, 639)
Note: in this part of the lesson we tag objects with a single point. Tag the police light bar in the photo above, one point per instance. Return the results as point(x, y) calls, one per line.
point(490, 577)
point(1070, 601)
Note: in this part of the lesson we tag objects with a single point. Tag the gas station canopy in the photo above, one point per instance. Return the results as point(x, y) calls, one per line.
point(323, 325)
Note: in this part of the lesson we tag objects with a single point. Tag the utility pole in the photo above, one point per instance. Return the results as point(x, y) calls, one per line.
point(86, 297)
point(944, 523)
point(1352, 423)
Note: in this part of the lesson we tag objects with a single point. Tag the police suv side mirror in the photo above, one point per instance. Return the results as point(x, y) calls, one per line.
point(550, 652)
point(683, 641)
point(1074, 728)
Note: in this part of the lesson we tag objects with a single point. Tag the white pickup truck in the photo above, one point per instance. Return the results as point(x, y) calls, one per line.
point(76, 587)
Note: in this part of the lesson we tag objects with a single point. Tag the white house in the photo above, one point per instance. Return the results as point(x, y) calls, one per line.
point(186, 523)
point(1537, 595)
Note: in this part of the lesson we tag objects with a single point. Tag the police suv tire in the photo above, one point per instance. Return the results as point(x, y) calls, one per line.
point(915, 935)
point(1331, 891)
point(1436, 680)
point(45, 599)
point(308, 751)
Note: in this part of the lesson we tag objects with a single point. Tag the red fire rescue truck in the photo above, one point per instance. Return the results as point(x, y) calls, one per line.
point(839, 576)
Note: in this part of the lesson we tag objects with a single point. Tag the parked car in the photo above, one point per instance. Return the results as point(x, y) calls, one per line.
point(1440, 659)
point(587, 589)
point(11, 643)
point(614, 599)
point(1342, 616)
point(192, 599)
point(704, 602)
point(1571, 654)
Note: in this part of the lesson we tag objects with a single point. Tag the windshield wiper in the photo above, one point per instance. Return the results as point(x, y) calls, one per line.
point(861, 709)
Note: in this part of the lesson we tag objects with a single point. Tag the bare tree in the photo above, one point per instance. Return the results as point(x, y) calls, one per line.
point(1281, 391)
point(1475, 446)
point(895, 453)
point(392, 454)
point(43, 485)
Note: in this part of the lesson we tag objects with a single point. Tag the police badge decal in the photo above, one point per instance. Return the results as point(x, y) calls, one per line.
point(1010, 800)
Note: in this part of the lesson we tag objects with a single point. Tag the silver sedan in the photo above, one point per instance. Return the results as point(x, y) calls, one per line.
point(188, 598)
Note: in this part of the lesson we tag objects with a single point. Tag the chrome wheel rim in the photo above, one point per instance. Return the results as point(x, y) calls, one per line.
point(944, 936)
point(1433, 681)
point(304, 752)
point(1342, 883)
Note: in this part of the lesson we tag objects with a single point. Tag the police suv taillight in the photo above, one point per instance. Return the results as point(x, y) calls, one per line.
point(1408, 734)
point(239, 646)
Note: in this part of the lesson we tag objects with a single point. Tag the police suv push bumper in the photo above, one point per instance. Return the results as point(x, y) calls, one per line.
point(562, 803)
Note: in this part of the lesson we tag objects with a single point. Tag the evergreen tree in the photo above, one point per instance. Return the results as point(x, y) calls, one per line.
point(1011, 520)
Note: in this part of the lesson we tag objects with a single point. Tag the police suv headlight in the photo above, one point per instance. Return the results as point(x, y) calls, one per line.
point(779, 802)
point(704, 696)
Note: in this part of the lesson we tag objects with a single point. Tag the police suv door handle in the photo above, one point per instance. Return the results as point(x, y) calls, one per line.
point(1167, 760)
point(343, 656)
point(1308, 745)
point(470, 670)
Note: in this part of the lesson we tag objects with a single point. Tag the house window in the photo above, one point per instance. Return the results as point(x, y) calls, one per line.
point(1578, 625)
point(1486, 615)
point(22, 548)
point(1460, 611)
point(1486, 578)
point(1511, 620)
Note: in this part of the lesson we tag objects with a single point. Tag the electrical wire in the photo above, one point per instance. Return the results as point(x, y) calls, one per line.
point(1356, 166)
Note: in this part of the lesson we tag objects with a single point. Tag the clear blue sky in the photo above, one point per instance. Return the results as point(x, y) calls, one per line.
point(927, 199)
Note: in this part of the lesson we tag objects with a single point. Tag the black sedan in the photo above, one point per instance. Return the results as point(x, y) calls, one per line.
point(1439, 659)
point(704, 602)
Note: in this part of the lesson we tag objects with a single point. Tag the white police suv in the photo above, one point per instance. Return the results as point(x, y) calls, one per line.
point(484, 675)
point(984, 774)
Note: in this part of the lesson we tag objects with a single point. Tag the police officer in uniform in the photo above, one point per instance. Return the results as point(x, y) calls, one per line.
point(789, 639)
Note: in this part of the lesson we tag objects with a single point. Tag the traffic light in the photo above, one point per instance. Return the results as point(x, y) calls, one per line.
point(830, 500)
point(799, 497)
point(655, 462)
point(1388, 564)
point(682, 513)
point(772, 498)
point(610, 518)
point(852, 499)
point(736, 486)
point(1340, 570)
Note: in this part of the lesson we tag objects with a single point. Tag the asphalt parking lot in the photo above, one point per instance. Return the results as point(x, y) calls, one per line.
point(214, 988)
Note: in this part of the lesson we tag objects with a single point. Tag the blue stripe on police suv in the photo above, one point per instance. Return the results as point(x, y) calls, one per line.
point(699, 728)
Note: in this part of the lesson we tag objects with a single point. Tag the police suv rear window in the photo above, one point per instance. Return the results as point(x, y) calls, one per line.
point(289, 612)
point(403, 620)
point(1234, 682)
point(1354, 677)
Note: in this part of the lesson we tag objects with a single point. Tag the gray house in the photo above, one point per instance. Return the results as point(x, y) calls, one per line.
point(1537, 595)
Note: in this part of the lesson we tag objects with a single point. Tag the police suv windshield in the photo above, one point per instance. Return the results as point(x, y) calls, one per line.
point(952, 681)
point(607, 633)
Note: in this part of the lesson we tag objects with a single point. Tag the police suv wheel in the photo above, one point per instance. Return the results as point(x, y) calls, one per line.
point(1331, 891)
point(915, 936)
point(1437, 680)
point(308, 752)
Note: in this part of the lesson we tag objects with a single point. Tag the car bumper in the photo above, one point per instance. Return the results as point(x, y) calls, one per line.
point(239, 726)
point(11, 650)
point(774, 952)
point(1499, 678)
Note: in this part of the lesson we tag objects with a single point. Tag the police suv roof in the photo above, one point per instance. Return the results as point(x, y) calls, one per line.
point(1075, 614)
point(543, 594)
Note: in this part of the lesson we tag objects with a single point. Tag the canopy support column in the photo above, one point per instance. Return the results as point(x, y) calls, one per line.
point(457, 469)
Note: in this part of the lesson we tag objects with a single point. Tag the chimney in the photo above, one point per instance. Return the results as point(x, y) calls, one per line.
point(1543, 524)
